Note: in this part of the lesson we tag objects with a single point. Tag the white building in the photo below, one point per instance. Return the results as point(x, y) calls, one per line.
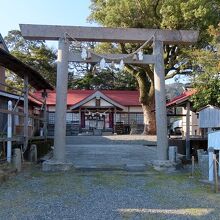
point(177, 112)
point(209, 119)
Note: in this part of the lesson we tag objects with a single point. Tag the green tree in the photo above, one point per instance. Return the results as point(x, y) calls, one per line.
point(163, 14)
point(36, 54)
point(90, 77)
point(206, 78)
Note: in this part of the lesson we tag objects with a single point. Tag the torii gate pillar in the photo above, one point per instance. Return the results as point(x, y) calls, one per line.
point(160, 102)
point(58, 163)
point(61, 97)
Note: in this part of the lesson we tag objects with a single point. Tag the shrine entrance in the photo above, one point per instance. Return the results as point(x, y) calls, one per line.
point(66, 34)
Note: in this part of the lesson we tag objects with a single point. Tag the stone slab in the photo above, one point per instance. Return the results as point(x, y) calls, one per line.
point(54, 166)
point(136, 167)
point(106, 34)
point(89, 167)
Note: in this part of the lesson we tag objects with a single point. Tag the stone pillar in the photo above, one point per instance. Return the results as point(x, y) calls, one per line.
point(32, 155)
point(61, 97)
point(188, 130)
point(16, 160)
point(160, 102)
point(173, 154)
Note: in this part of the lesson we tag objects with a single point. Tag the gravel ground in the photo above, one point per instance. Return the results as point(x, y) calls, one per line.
point(106, 195)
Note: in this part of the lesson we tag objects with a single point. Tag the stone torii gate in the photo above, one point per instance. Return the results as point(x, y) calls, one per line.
point(102, 34)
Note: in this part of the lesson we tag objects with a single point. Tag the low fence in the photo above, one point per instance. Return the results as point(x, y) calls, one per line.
point(19, 127)
point(208, 167)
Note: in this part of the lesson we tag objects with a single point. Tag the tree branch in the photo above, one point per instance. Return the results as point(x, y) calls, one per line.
point(177, 72)
point(155, 9)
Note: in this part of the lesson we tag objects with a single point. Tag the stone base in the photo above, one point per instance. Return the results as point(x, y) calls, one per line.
point(135, 167)
point(55, 166)
point(164, 165)
point(97, 132)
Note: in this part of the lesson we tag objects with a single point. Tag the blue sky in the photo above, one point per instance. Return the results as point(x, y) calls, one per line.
point(57, 12)
point(54, 12)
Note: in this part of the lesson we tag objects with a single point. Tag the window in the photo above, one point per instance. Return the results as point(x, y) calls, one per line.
point(51, 117)
point(69, 117)
point(76, 118)
point(134, 118)
point(117, 118)
point(140, 119)
point(122, 118)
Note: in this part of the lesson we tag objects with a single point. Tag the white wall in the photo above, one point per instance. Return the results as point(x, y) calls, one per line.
point(136, 109)
point(51, 108)
point(209, 117)
point(90, 103)
point(103, 103)
point(194, 128)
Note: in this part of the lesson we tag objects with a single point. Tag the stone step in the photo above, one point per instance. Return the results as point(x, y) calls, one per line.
point(116, 167)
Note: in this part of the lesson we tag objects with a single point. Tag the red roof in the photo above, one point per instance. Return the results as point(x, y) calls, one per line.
point(123, 97)
point(16, 96)
point(34, 100)
point(181, 98)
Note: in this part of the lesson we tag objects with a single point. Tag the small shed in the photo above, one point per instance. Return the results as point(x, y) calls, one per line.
point(209, 117)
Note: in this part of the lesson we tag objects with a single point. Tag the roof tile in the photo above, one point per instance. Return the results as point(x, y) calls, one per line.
point(123, 97)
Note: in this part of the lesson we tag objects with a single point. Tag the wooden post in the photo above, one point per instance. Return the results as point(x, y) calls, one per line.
point(211, 152)
point(128, 115)
point(218, 163)
point(193, 165)
point(9, 132)
point(45, 113)
point(25, 113)
point(3, 149)
point(188, 130)
point(80, 127)
point(114, 120)
point(215, 173)
point(2, 78)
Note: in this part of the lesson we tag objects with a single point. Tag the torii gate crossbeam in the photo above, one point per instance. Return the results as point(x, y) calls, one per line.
point(101, 34)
